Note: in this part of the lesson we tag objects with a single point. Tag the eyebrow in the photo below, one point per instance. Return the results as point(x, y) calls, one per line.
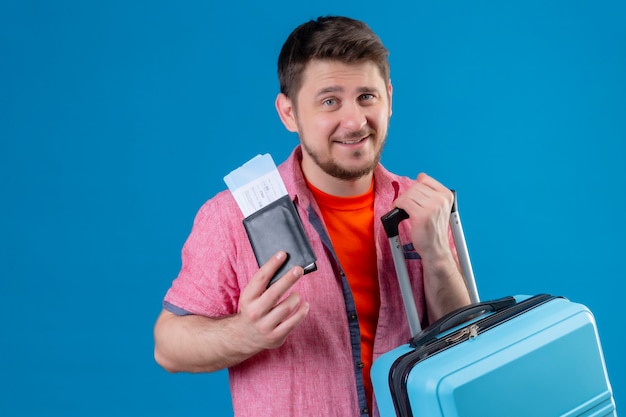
point(331, 89)
point(339, 89)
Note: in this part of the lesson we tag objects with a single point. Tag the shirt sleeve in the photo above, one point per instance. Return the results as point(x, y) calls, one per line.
point(209, 280)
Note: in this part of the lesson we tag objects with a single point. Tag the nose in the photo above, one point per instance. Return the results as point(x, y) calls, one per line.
point(353, 117)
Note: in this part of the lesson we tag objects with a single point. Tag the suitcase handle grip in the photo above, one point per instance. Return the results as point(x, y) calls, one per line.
point(459, 316)
point(391, 221)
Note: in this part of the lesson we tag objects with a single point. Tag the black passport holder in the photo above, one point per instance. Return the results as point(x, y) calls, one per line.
point(277, 227)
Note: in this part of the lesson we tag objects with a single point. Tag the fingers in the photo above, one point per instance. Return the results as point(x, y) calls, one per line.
point(273, 294)
point(258, 284)
point(430, 186)
point(425, 193)
point(286, 316)
point(256, 298)
point(261, 279)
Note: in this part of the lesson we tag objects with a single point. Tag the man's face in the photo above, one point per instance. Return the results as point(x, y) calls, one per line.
point(341, 115)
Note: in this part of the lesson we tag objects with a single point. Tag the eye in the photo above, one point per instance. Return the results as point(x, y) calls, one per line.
point(367, 97)
point(329, 102)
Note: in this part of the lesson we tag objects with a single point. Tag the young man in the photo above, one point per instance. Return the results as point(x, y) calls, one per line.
point(304, 346)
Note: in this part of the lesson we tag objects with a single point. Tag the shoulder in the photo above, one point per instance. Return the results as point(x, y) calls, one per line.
point(217, 217)
point(222, 206)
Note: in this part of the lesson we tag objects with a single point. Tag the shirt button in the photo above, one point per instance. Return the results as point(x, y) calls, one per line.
point(360, 365)
point(365, 410)
point(353, 316)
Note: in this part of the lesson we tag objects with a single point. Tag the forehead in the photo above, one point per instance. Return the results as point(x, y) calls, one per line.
point(321, 75)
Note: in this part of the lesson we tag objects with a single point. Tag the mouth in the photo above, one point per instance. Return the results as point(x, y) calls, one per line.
point(351, 141)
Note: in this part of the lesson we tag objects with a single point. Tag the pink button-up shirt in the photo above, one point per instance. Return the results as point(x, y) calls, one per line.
point(316, 371)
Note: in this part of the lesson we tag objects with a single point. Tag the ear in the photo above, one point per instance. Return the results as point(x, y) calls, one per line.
point(286, 111)
point(390, 94)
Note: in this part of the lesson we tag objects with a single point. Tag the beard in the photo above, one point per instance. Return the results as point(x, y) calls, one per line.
point(334, 168)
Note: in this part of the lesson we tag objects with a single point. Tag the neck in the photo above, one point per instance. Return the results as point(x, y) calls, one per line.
point(342, 188)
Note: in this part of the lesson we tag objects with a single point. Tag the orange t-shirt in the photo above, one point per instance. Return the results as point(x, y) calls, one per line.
point(350, 225)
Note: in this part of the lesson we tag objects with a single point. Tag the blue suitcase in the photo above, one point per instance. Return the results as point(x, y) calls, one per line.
point(522, 356)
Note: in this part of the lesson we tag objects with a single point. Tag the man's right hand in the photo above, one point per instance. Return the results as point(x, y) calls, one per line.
point(268, 315)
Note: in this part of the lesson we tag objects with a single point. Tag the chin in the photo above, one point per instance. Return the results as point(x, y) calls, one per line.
point(350, 173)
point(350, 168)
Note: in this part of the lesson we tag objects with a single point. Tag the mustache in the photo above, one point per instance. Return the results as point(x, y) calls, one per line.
point(357, 134)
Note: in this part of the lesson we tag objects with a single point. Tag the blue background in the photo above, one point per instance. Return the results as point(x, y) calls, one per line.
point(119, 119)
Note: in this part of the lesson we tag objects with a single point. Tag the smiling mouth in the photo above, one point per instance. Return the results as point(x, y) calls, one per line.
point(351, 142)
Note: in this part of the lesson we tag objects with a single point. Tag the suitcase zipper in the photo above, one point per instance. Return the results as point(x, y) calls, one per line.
point(471, 332)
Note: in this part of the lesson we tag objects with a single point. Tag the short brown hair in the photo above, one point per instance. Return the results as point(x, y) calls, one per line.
point(328, 38)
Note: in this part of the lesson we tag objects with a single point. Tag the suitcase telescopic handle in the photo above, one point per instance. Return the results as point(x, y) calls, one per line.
point(461, 250)
point(391, 222)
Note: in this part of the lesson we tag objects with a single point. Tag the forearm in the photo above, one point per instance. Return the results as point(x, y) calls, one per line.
point(444, 286)
point(198, 344)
